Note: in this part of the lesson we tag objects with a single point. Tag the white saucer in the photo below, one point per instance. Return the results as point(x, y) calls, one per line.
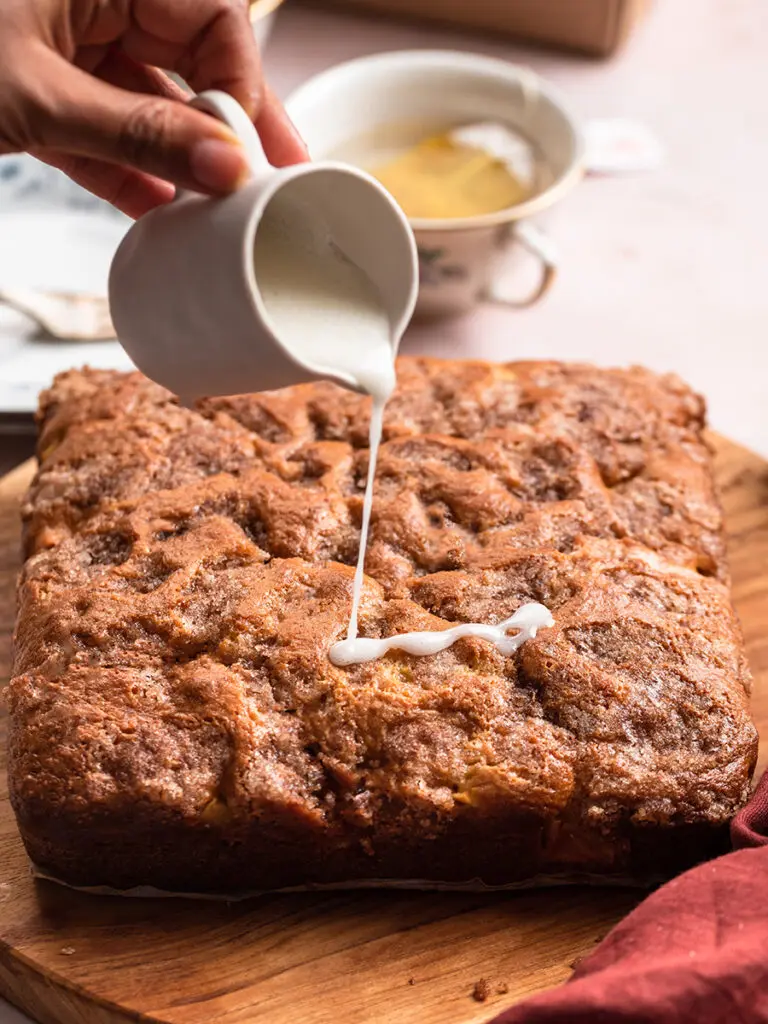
point(59, 249)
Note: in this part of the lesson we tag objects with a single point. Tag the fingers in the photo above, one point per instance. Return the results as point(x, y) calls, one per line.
point(210, 43)
point(119, 69)
point(282, 143)
point(131, 192)
point(78, 114)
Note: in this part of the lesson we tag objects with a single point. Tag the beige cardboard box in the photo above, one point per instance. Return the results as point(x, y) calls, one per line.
point(597, 27)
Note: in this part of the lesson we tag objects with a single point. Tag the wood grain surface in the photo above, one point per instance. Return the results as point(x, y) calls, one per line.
point(362, 958)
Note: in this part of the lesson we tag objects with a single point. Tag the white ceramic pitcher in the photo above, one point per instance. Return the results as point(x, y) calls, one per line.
point(183, 291)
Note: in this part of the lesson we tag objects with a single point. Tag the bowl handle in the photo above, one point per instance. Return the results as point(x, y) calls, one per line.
point(538, 244)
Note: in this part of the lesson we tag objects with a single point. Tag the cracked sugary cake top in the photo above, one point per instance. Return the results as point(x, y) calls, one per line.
point(188, 571)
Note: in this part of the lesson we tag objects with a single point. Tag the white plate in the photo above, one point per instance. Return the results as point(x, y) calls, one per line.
point(51, 247)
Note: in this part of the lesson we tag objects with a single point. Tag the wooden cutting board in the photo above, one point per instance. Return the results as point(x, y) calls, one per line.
point(351, 958)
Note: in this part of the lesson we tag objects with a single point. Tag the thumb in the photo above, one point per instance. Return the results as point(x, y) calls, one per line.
point(166, 138)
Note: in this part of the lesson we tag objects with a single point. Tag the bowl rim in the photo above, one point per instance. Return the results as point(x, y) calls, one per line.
point(570, 177)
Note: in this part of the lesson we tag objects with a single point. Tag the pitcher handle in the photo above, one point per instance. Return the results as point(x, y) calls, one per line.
point(225, 108)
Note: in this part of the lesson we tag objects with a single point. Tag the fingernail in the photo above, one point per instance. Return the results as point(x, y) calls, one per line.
point(218, 166)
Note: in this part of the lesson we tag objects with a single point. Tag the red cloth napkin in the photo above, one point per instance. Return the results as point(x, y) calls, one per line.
point(694, 952)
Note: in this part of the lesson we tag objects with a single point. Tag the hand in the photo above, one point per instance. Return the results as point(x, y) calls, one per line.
point(80, 89)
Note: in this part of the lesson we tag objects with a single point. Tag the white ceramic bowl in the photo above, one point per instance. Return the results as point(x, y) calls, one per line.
point(392, 100)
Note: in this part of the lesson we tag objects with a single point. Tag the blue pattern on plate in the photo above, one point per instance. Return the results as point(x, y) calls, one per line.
point(28, 183)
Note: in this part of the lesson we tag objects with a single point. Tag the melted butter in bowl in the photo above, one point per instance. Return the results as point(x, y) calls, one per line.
point(466, 171)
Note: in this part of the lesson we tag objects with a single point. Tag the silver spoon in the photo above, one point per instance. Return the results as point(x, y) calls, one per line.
point(64, 316)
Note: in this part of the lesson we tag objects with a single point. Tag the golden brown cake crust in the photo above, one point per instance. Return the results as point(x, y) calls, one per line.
point(176, 721)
